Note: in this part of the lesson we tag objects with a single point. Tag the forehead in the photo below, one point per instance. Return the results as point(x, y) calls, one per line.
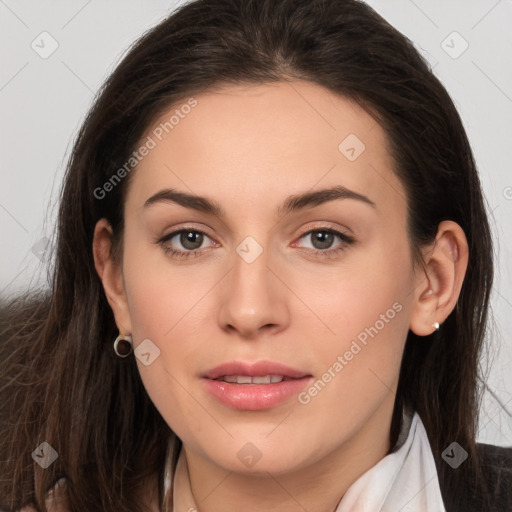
point(266, 140)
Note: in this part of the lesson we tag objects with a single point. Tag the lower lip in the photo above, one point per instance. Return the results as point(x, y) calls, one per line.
point(255, 397)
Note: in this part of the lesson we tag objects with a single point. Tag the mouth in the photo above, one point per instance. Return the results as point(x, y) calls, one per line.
point(247, 379)
point(254, 386)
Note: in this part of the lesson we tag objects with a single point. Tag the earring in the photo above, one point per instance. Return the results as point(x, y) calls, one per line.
point(436, 326)
point(123, 346)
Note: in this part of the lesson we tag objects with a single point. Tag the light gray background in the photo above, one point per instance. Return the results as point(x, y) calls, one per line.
point(43, 102)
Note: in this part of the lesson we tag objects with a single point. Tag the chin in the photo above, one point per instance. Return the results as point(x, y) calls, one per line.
point(249, 459)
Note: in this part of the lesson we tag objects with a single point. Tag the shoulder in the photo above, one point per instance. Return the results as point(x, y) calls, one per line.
point(499, 456)
point(497, 464)
point(462, 492)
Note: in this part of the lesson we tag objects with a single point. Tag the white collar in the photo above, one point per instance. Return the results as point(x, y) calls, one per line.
point(405, 480)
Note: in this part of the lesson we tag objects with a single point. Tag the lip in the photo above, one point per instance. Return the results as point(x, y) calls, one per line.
point(254, 397)
point(259, 368)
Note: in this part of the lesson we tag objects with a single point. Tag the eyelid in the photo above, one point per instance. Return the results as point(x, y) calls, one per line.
point(177, 231)
point(342, 232)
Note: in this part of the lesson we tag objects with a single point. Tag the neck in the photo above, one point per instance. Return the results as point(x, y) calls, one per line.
point(318, 485)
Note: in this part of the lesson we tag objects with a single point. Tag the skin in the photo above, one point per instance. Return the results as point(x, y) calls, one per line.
point(250, 148)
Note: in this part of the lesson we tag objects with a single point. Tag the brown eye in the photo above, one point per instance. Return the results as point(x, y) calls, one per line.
point(191, 239)
point(184, 243)
point(323, 239)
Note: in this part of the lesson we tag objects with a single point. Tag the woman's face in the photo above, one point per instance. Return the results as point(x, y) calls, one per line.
point(268, 278)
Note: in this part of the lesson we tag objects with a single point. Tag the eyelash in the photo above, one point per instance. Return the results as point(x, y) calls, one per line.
point(327, 253)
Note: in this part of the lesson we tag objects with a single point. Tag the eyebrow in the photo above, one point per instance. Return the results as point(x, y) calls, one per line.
point(291, 204)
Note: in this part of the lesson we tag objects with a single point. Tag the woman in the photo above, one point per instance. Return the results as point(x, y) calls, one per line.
point(271, 285)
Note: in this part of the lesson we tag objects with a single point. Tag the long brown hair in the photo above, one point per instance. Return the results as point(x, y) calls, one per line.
point(60, 379)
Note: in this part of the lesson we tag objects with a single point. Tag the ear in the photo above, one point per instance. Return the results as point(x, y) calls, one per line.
point(438, 284)
point(110, 273)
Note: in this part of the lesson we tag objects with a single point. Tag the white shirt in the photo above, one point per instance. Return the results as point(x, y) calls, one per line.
point(403, 481)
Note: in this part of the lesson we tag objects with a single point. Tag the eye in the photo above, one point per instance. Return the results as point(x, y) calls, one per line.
point(322, 240)
point(190, 239)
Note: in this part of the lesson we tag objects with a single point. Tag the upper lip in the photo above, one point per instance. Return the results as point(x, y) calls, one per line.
point(258, 369)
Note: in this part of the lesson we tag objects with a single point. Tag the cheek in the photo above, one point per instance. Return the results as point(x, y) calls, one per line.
point(364, 298)
point(167, 306)
point(170, 319)
point(366, 311)
point(362, 359)
point(158, 294)
point(358, 367)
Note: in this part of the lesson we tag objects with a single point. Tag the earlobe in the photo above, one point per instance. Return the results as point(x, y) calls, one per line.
point(438, 284)
point(110, 273)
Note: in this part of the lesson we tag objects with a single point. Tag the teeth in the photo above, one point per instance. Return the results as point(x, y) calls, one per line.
point(262, 380)
point(245, 379)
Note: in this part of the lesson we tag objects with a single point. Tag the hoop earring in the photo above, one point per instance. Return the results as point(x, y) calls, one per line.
point(123, 345)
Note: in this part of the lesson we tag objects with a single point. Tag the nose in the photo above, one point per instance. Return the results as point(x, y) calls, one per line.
point(254, 299)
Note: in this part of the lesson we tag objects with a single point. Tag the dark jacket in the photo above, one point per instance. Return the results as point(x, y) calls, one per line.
point(459, 495)
point(497, 462)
